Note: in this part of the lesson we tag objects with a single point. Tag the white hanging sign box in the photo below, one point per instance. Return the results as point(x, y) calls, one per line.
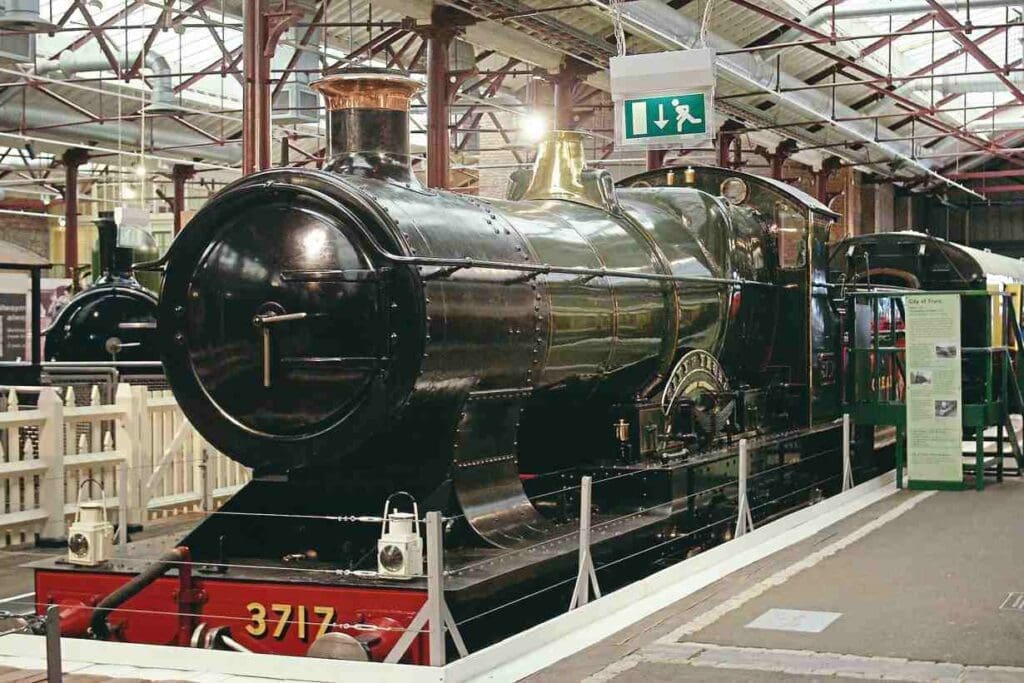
point(663, 98)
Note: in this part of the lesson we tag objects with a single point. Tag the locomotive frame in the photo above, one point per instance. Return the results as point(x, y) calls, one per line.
point(488, 425)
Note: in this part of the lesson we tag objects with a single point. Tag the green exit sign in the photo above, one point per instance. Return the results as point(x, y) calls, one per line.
point(665, 116)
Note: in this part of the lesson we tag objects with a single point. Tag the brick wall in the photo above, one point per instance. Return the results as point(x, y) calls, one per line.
point(30, 232)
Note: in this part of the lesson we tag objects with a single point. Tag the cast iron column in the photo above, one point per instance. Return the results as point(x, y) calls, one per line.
point(73, 158)
point(562, 83)
point(785, 150)
point(828, 166)
point(727, 137)
point(261, 30)
point(655, 158)
point(255, 94)
point(438, 38)
point(179, 174)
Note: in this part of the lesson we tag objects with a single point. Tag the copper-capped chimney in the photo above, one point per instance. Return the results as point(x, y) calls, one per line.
point(368, 114)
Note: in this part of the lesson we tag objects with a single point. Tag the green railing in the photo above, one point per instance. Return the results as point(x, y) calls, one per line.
point(992, 375)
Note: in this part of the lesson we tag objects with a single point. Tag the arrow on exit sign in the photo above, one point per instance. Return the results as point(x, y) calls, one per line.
point(662, 116)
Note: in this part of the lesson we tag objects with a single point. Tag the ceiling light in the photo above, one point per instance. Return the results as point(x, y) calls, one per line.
point(140, 171)
point(533, 127)
point(127, 192)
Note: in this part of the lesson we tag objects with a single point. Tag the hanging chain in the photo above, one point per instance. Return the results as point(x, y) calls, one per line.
point(620, 32)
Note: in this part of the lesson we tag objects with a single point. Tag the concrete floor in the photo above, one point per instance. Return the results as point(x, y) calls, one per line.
point(917, 578)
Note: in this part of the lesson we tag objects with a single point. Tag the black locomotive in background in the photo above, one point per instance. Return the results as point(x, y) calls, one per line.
point(113, 319)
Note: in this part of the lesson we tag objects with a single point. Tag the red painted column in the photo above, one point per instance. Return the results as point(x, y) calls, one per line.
point(728, 139)
point(828, 167)
point(73, 158)
point(655, 158)
point(785, 150)
point(438, 98)
point(179, 174)
point(563, 83)
point(260, 33)
point(821, 184)
point(724, 144)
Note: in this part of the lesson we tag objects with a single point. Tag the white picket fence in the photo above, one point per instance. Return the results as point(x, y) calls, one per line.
point(139, 453)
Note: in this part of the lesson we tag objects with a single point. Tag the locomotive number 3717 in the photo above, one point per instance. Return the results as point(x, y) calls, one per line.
point(279, 618)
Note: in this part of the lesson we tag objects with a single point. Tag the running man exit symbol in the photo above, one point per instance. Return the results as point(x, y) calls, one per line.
point(663, 116)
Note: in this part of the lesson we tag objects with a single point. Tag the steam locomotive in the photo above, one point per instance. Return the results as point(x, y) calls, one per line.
point(113, 319)
point(349, 335)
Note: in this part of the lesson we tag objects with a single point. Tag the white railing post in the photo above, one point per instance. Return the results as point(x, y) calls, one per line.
point(744, 519)
point(847, 468)
point(434, 614)
point(205, 480)
point(586, 577)
point(435, 591)
point(122, 503)
point(126, 440)
point(143, 435)
point(51, 453)
point(54, 662)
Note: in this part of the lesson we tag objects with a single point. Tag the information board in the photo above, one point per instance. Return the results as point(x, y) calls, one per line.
point(13, 326)
point(934, 402)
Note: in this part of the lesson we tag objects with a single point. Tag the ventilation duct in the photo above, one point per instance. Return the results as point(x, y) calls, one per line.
point(970, 84)
point(823, 16)
point(23, 15)
point(18, 47)
point(297, 102)
point(72, 62)
point(67, 124)
point(995, 126)
point(461, 56)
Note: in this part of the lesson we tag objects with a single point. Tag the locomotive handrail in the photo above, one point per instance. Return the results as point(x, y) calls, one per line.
point(544, 269)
